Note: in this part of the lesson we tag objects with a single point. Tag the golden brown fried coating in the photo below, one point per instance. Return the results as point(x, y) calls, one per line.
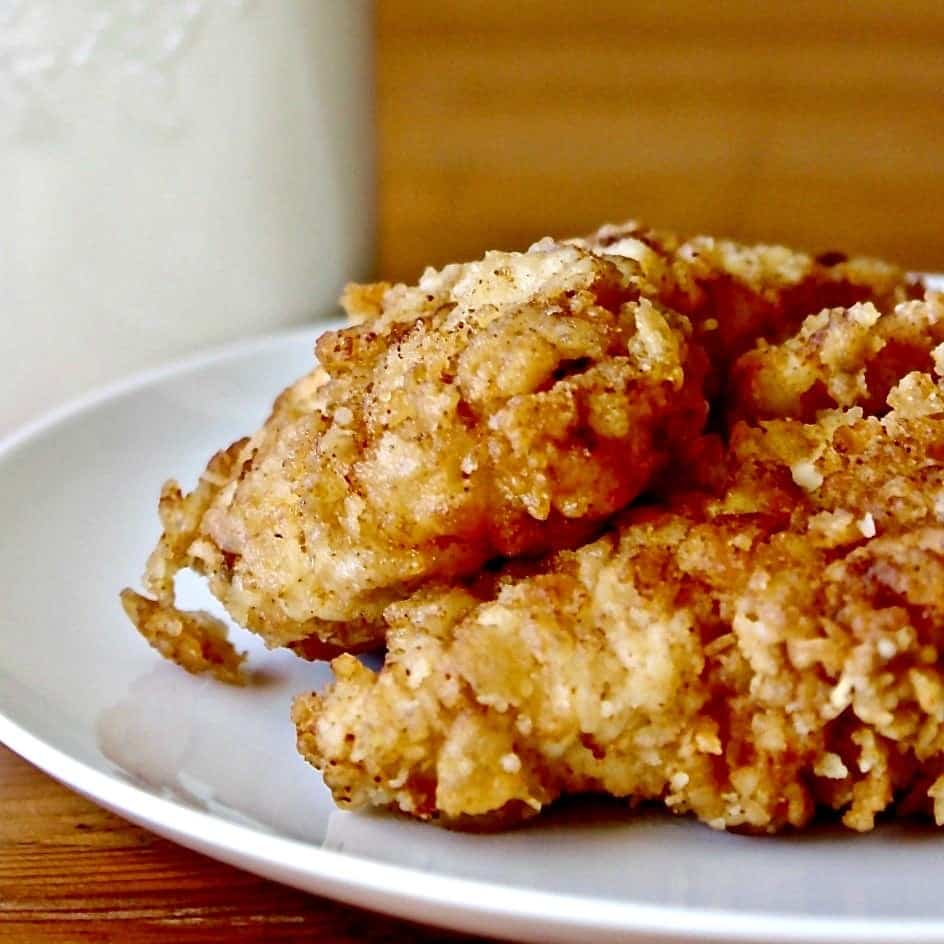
point(839, 357)
point(195, 640)
point(747, 658)
point(501, 408)
point(735, 294)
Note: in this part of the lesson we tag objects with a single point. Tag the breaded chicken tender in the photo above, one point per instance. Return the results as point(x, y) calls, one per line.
point(635, 514)
point(504, 408)
point(501, 408)
point(747, 658)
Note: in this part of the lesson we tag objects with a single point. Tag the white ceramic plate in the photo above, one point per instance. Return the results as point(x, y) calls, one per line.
point(215, 768)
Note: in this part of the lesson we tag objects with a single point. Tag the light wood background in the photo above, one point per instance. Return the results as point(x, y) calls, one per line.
point(820, 124)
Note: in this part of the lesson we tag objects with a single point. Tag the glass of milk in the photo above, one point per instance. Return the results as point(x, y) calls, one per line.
point(173, 174)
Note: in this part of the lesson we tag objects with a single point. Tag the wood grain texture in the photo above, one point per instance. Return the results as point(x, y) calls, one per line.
point(70, 871)
point(815, 124)
point(820, 125)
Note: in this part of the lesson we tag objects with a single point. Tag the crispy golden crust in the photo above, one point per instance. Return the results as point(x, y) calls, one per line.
point(500, 408)
point(760, 638)
point(735, 294)
point(196, 641)
point(748, 657)
point(839, 357)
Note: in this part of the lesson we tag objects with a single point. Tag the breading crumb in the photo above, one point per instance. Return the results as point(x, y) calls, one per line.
point(806, 475)
point(867, 525)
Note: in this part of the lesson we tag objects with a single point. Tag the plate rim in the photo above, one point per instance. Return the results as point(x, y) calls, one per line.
point(466, 904)
point(403, 890)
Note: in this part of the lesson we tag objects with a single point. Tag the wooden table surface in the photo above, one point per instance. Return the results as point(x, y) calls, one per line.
point(817, 124)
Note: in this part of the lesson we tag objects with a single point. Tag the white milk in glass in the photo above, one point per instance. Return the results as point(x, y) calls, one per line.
point(173, 174)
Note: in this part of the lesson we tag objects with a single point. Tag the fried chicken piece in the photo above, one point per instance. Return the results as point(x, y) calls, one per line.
point(746, 658)
point(840, 357)
point(500, 408)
